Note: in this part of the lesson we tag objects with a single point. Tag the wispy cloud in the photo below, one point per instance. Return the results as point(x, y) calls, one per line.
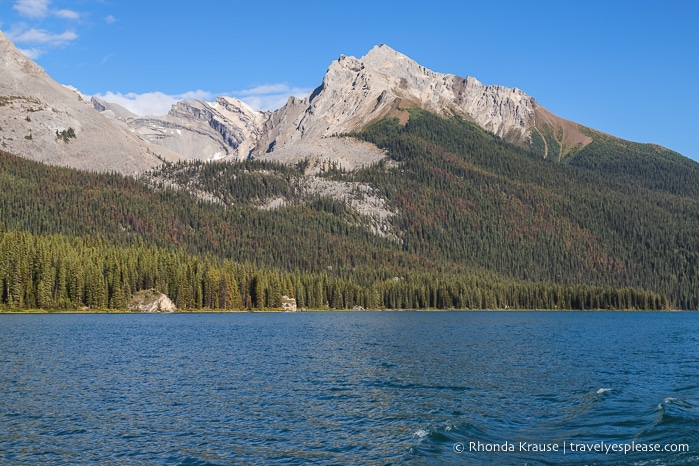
point(265, 97)
point(152, 103)
point(40, 36)
point(110, 19)
point(270, 96)
point(67, 14)
point(32, 53)
point(32, 8)
point(37, 11)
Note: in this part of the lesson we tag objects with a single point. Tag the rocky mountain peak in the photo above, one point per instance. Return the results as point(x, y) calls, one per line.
point(358, 91)
point(111, 109)
point(226, 129)
point(384, 57)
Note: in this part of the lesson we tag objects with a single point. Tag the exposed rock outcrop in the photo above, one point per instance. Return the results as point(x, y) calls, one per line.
point(36, 114)
point(356, 92)
point(151, 301)
point(289, 304)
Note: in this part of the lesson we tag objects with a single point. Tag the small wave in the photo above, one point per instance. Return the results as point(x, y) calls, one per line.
point(671, 400)
point(189, 461)
point(448, 432)
point(679, 402)
point(422, 433)
point(603, 390)
point(672, 411)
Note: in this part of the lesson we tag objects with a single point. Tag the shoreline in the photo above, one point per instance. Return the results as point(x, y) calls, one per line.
point(279, 311)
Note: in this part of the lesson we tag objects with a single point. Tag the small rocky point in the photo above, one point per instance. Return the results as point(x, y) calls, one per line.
point(151, 301)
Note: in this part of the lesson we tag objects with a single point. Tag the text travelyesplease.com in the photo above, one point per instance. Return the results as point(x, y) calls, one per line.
point(570, 447)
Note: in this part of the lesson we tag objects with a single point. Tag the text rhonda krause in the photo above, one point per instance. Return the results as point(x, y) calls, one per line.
point(573, 447)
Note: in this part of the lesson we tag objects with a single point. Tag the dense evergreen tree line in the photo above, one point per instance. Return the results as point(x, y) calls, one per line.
point(57, 272)
point(646, 166)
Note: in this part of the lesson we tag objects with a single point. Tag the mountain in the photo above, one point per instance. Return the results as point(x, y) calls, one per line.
point(389, 186)
point(51, 123)
point(354, 93)
point(48, 122)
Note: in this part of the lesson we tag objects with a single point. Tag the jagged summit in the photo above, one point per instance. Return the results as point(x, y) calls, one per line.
point(383, 56)
point(111, 109)
point(358, 91)
point(226, 129)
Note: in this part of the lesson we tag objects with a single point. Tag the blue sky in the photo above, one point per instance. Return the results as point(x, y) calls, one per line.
point(628, 68)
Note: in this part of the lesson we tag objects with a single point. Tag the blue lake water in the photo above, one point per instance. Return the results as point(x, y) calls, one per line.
point(350, 388)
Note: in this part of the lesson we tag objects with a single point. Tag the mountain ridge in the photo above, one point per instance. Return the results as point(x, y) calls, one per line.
point(354, 93)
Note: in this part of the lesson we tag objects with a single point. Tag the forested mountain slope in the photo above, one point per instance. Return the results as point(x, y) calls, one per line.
point(474, 222)
point(615, 212)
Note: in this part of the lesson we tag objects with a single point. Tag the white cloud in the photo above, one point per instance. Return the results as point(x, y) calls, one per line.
point(67, 14)
point(40, 9)
point(266, 89)
point(265, 97)
point(32, 54)
point(40, 40)
point(110, 19)
point(151, 103)
point(40, 36)
point(270, 96)
point(32, 8)
point(195, 95)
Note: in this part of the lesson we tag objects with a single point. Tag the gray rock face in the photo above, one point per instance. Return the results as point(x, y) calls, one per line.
point(111, 110)
point(35, 111)
point(289, 304)
point(226, 129)
point(151, 301)
point(354, 93)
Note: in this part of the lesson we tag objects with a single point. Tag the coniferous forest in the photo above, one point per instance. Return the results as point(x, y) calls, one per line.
point(479, 224)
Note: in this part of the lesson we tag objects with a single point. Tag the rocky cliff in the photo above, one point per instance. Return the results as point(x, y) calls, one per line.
point(51, 123)
point(356, 92)
point(226, 129)
point(151, 301)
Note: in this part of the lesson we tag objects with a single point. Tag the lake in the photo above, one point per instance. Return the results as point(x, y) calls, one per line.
point(344, 388)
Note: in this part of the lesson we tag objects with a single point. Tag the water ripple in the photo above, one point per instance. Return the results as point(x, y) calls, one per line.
point(345, 388)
